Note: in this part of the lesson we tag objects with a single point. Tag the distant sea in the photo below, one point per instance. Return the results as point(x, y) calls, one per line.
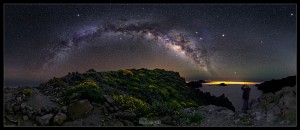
point(233, 92)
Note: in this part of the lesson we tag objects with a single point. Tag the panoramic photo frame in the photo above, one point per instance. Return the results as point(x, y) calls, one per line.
point(150, 65)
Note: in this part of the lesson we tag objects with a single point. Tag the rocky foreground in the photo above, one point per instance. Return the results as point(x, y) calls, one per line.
point(63, 102)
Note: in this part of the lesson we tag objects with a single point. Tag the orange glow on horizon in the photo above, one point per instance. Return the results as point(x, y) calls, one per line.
point(230, 82)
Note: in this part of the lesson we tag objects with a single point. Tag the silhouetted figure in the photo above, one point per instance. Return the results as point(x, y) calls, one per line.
point(246, 93)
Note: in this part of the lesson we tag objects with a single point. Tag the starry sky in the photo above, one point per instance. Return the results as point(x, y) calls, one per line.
point(233, 42)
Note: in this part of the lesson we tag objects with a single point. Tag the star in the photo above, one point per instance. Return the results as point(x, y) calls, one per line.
point(196, 32)
point(292, 14)
point(120, 38)
point(201, 38)
point(223, 35)
point(78, 15)
point(234, 72)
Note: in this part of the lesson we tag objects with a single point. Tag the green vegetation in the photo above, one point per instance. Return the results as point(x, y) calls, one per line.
point(196, 117)
point(26, 92)
point(128, 102)
point(86, 90)
point(148, 93)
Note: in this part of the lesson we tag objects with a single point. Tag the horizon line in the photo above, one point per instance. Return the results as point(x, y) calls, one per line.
point(231, 82)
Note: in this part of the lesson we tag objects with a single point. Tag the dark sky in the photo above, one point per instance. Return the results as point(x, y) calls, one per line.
point(250, 42)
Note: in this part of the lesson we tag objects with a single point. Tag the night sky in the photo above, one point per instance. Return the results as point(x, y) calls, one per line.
point(253, 42)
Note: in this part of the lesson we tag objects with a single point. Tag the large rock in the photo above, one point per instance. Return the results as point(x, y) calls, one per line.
point(59, 118)
point(79, 109)
point(45, 120)
point(276, 109)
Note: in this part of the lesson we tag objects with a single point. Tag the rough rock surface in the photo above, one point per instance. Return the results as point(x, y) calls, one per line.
point(79, 109)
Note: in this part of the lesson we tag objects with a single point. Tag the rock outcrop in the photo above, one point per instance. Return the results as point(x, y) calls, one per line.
point(277, 109)
point(276, 84)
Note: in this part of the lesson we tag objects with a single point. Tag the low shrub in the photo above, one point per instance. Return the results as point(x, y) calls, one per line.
point(86, 90)
point(136, 105)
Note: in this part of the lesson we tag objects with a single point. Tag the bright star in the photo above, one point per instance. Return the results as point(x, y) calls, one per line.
point(78, 15)
point(196, 32)
point(292, 14)
point(223, 35)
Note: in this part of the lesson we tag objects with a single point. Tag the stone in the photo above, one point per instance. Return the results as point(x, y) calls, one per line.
point(188, 110)
point(127, 123)
point(167, 120)
point(40, 112)
point(12, 118)
point(25, 118)
point(29, 108)
point(271, 118)
point(8, 108)
point(105, 111)
point(45, 120)
point(257, 116)
point(79, 109)
point(127, 115)
point(23, 105)
point(27, 123)
point(116, 108)
point(74, 96)
point(109, 99)
point(106, 104)
point(276, 110)
point(24, 111)
point(43, 109)
point(59, 118)
point(78, 122)
point(30, 114)
point(55, 110)
point(16, 108)
point(111, 109)
point(113, 123)
point(64, 109)
point(143, 120)
point(19, 99)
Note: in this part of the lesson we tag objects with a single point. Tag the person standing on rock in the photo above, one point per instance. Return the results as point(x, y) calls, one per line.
point(246, 93)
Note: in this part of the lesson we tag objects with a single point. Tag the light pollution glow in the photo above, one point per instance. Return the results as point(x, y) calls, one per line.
point(230, 82)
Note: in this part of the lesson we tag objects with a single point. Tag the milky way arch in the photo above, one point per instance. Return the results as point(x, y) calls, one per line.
point(59, 51)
